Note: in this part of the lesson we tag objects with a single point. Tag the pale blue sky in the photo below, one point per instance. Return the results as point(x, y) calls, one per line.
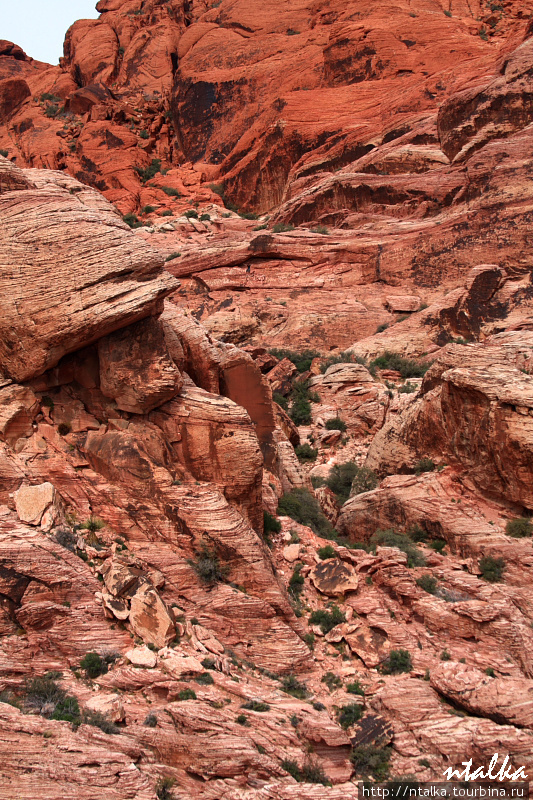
point(39, 27)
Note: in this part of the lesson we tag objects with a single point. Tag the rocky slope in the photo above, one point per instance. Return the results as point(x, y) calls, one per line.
point(160, 634)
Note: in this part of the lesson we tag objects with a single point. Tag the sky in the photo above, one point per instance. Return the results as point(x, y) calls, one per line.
point(39, 27)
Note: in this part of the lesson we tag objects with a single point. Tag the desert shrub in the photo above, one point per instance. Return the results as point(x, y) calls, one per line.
point(166, 213)
point(150, 721)
point(519, 528)
point(424, 465)
point(204, 679)
point(309, 639)
point(303, 507)
point(397, 661)
point(371, 761)
point(340, 479)
point(43, 691)
point(490, 672)
point(187, 694)
point(170, 191)
point(280, 400)
point(242, 719)
point(205, 218)
point(92, 524)
point(132, 220)
point(417, 534)
point(296, 583)
point(163, 790)
point(191, 214)
point(172, 256)
point(301, 360)
point(335, 424)
point(407, 388)
point(321, 229)
point(271, 524)
point(491, 568)
point(207, 566)
point(326, 552)
point(66, 539)
point(405, 366)
point(147, 173)
point(305, 452)
point(342, 358)
point(93, 665)
point(208, 663)
point(282, 227)
point(428, 583)
point(248, 215)
point(3, 153)
point(255, 705)
point(382, 327)
point(63, 428)
point(332, 681)
point(99, 720)
point(445, 656)
point(148, 210)
point(355, 688)
point(438, 545)
point(364, 480)
point(53, 110)
point(300, 412)
point(67, 709)
point(390, 538)
point(309, 772)
point(291, 685)
point(327, 620)
point(144, 134)
point(349, 715)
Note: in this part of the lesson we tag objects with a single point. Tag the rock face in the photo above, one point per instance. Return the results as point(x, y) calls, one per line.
point(95, 290)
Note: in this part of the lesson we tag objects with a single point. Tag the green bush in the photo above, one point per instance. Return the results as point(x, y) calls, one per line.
point(309, 772)
point(170, 191)
point(305, 452)
point(397, 661)
point(417, 534)
point(53, 110)
point(326, 552)
point(163, 790)
point(172, 256)
point(405, 366)
point(242, 719)
point(301, 360)
point(282, 227)
point(280, 400)
point(147, 173)
point(445, 656)
point(48, 96)
point(438, 545)
point(332, 681)
point(382, 327)
point(93, 524)
point(300, 412)
point(335, 424)
point(327, 620)
point(349, 715)
point(303, 507)
point(428, 583)
point(205, 218)
point(93, 665)
point(144, 134)
point(492, 569)
point(187, 694)
point(390, 538)
point(407, 388)
point(490, 672)
point(191, 214)
point(208, 663)
point(340, 479)
point(519, 528)
point(150, 721)
point(132, 220)
point(364, 480)
point(341, 358)
point(355, 688)
point(371, 761)
point(3, 153)
point(207, 566)
point(270, 523)
point(166, 213)
point(99, 720)
point(296, 583)
point(148, 210)
point(291, 685)
point(255, 705)
point(424, 465)
point(205, 679)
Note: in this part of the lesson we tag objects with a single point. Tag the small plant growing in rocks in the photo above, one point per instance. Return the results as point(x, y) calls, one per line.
point(242, 719)
point(492, 569)
point(349, 715)
point(397, 661)
point(306, 453)
point(163, 789)
point(335, 424)
point(205, 679)
point(93, 665)
point(187, 694)
point(428, 583)
point(326, 552)
point(207, 566)
point(519, 528)
point(332, 681)
point(255, 705)
point(150, 721)
point(355, 688)
point(327, 620)
point(371, 761)
point(291, 685)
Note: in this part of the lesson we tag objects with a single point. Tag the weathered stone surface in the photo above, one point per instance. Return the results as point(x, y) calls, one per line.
point(136, 369)
point(105, 278)
point(333, 577)
point(149, 617)
point(32, 503)
point(18, 406)
point(141, 657)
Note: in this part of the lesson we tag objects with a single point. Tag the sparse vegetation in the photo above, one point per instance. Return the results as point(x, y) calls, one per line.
point(349, 715)
point(207, 565)
point(302, 361)
point(187, 694)
point(355, 688)
point(150, 721)
point(390, 538)
point(332, 681)
point(306, 453)
point(148, 210)
point(172, 256)
point(170, 191)
point(320, 229)
point(445, 656)
point(296, 583)
point(147, 173)
point(371, 761)
point(309, 772)
point(335, 424)
point(382, 327)
point(492, 569)
point(291, 685)
point(144, 134)
point(428, 583)
point(63, 428)
point(303, 507)
point(132, 220)
point(242, 719)
point(424, 465)
point(255, 705)
point(93, 524)
point(519, 528)
point(204, 679)
point(282, 227)
point(438, 545)
point(163, 789)
point(405, 366)
point(327, 620)
point(490, 672)
point(3, 153)
point(326, 552)
point(93, 665)
point(397, 661)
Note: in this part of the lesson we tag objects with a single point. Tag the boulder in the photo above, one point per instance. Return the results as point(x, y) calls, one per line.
point(33, 504)
point(149, 617)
